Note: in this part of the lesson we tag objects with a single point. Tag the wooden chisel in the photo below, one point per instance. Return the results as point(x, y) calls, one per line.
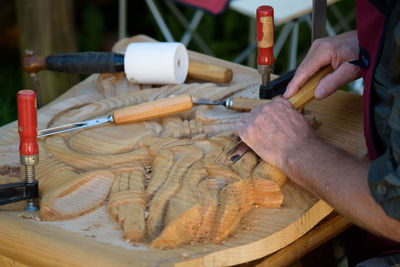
point(299, 100)
point(151, 110)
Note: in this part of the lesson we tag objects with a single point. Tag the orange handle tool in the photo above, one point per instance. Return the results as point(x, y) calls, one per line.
point(155, 109)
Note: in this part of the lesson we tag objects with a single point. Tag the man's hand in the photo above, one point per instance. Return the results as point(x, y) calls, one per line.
point(336, 51)
point(281, 136)
point(274, 130)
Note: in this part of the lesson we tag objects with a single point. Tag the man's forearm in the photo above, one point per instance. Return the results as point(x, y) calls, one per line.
point(341, 180)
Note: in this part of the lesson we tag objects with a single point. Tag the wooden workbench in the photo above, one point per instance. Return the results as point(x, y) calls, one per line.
point(25, 240)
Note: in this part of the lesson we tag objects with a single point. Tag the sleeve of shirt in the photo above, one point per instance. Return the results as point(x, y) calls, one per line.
point(384, 174)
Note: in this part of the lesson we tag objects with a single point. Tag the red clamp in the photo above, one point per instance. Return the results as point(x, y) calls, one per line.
point(265, 35)
point(27, 122)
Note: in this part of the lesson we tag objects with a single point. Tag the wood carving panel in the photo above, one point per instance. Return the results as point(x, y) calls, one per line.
point(168, 181)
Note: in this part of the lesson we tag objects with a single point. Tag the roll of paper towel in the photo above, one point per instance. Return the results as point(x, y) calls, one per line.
point(156, 63)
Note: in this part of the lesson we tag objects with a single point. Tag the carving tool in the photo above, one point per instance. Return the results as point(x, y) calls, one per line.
point(145, 111)
point(237, 104)
point(110, 62)
point(155, 109)
point(29, 154)
point(299, 100)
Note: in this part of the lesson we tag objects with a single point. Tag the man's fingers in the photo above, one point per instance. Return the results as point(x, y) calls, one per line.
point(319, 55)
point(303, 73)
point(329, 84)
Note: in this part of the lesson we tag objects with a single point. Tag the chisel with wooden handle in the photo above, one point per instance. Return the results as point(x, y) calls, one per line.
point(150, 110)
point(299, 100)
point(145, 111)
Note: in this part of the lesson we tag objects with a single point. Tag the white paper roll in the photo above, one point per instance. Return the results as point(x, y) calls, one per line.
point(156, 63)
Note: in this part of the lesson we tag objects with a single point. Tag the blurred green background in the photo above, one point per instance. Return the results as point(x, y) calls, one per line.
point(95, 26)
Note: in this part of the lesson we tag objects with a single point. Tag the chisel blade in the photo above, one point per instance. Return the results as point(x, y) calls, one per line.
point(204, 101)
point(74, 126)
point(237, 151)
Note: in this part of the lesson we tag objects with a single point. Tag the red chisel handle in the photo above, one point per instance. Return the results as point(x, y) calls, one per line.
point(265, 35)
point(27, 122)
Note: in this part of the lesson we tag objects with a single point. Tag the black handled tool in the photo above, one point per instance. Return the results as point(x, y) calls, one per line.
point(110, 62)
point(85, 62)
point(277, 86)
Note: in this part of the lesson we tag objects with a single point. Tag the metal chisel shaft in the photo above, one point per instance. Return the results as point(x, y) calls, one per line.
point(237, 104)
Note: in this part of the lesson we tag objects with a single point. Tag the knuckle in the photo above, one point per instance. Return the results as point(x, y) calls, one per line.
point(316, 43)
point(323, 44)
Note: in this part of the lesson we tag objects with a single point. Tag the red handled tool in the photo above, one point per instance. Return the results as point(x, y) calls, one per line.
point(28, 148)
point(27, 123)
point(265, 44)
point(29, 154)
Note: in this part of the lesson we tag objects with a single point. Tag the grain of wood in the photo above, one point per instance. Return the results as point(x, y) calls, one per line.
point(57, 147)
point(76, 196)
point(127, 202)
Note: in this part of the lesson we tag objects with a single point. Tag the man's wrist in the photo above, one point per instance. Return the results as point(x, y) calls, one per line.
point(297, 158)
